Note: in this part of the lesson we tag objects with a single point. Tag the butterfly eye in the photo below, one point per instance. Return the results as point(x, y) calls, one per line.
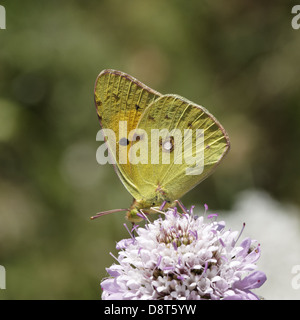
point(124, 142)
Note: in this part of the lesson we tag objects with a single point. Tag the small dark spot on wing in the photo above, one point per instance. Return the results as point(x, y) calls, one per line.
point(124, 142)
point(116, 97)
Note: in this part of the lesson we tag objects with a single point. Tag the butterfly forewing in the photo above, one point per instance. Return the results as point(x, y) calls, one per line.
point(121, 98)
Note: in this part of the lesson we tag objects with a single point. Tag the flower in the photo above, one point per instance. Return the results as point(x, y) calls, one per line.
point(184, 256)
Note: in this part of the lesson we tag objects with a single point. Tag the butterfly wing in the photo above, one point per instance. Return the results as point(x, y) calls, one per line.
point(208, 145)
point(120, 97)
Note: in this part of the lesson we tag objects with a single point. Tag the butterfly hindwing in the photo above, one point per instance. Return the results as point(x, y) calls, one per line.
point(208, 145)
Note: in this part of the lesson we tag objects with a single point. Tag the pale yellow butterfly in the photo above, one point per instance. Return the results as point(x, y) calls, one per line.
point(122, 99)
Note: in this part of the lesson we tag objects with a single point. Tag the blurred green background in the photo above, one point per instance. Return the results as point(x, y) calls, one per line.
point(239, 59)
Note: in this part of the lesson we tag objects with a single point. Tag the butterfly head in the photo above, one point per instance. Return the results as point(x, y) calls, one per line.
point(140, 208)
point(132, 215)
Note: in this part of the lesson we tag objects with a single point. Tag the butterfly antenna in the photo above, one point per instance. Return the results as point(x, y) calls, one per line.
point(103, 213)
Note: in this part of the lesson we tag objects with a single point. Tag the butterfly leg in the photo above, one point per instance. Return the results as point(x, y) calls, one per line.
point(134, 226)
point(163, 205)
point(184, 209)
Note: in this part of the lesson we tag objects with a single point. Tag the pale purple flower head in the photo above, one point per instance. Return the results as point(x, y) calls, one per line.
point(184, 256)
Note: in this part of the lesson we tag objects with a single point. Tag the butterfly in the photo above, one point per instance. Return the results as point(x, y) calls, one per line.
point(162, 145)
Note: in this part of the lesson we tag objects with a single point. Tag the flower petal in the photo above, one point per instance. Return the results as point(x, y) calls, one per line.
point(253, 280)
